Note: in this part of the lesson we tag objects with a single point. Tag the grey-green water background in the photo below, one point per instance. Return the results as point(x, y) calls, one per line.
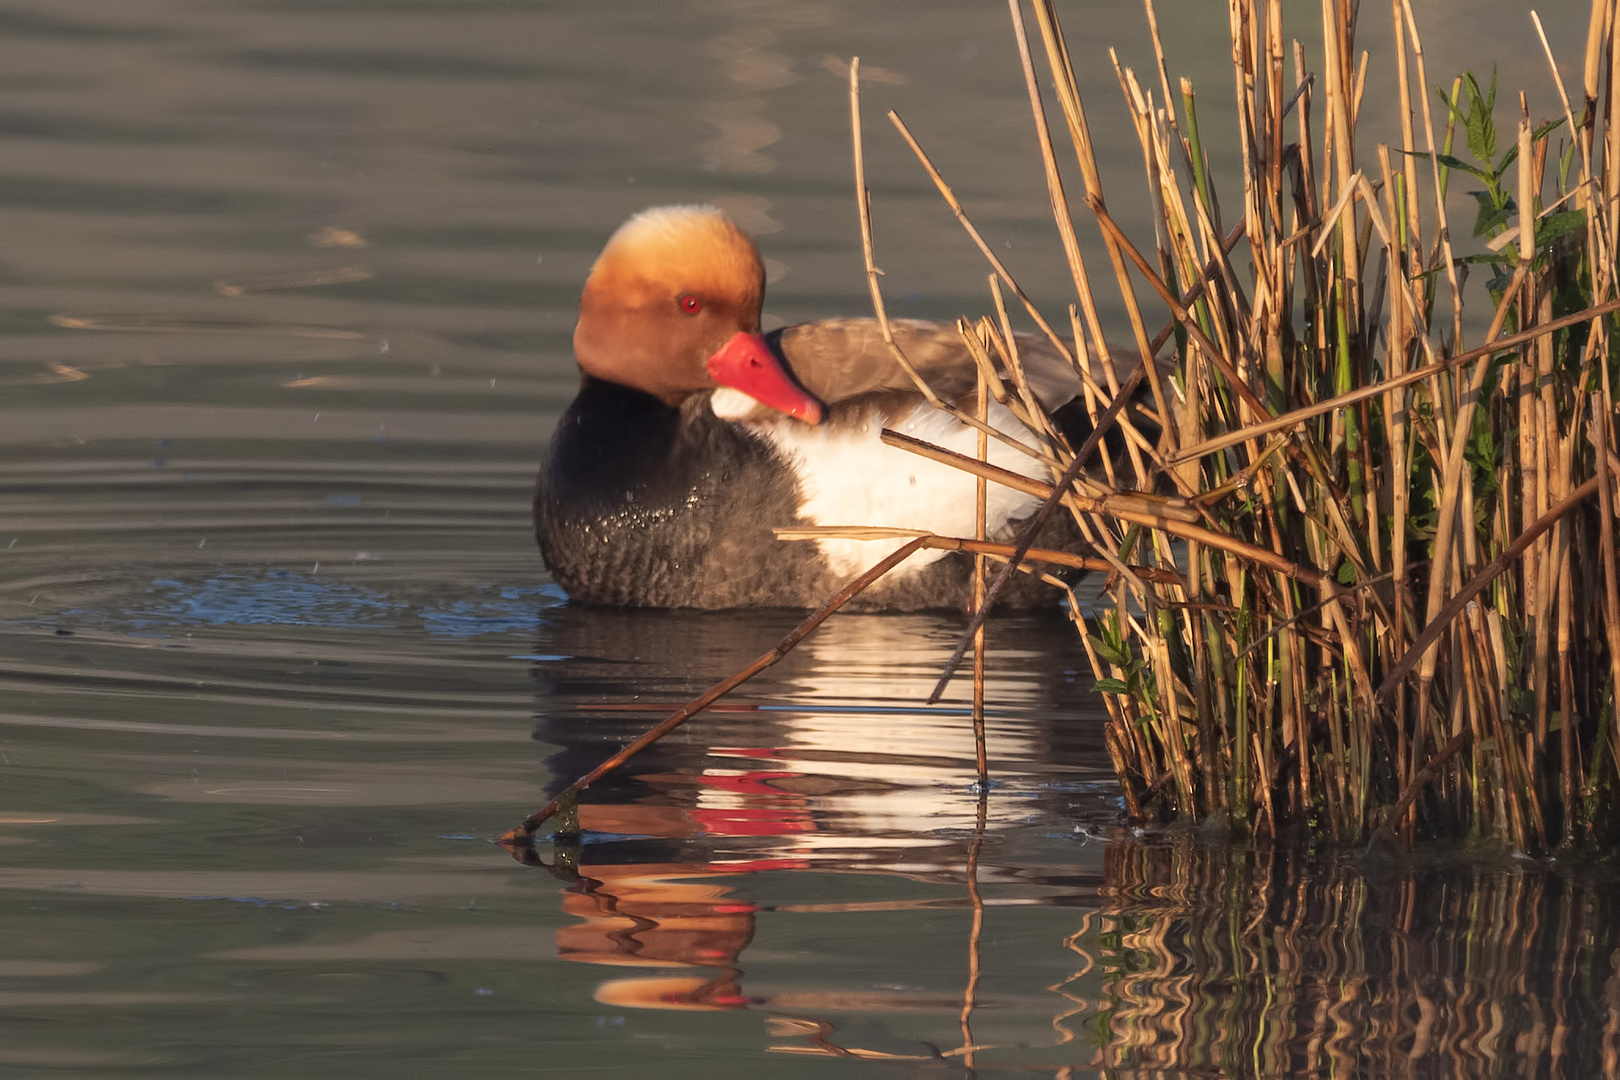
point(286, 289)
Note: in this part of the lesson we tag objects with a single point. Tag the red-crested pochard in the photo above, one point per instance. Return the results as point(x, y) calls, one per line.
point(693, 436)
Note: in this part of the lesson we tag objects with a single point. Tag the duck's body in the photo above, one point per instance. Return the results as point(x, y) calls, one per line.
point(689, 443)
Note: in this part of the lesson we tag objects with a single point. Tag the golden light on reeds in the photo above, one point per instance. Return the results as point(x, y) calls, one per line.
point(1362, 569)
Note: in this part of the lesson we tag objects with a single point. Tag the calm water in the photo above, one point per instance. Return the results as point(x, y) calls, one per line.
point(288, 287)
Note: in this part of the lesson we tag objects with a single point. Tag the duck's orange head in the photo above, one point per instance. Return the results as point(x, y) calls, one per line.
point(672, 307)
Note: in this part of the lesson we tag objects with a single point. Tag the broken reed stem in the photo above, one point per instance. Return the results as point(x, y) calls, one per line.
point(981, 492)
point(523, 833)
point(863, 206)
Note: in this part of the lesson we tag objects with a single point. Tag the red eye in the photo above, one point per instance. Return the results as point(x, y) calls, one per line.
point(690, 304)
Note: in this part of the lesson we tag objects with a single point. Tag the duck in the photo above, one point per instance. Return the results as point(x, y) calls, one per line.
point(694, 436)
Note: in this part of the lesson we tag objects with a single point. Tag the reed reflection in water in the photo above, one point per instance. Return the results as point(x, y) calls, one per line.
point(1263, 963)
point(805, 855)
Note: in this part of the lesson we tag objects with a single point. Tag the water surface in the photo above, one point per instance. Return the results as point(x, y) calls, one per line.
point(288, 293)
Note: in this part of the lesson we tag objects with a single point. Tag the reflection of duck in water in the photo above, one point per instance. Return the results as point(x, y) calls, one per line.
point(693, 436)
point(834, 739)
point(824, 765)
point(661, 917)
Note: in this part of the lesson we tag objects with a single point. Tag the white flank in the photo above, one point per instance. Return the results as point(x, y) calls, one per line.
point(848, 477)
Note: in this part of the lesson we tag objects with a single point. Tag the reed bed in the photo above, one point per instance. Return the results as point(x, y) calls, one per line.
point(1360, 541)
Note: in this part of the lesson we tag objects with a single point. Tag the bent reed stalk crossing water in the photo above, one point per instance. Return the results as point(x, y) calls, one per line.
point(1395, 609)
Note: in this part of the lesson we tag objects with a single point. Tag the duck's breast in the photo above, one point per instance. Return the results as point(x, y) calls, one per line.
point(644, 505)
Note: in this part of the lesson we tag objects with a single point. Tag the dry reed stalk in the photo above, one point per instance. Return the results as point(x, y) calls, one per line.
point(981, 492)
point(1331, 429)
point(984, 248)
point(1067, 88)
point(863, 198)
point(976, 547)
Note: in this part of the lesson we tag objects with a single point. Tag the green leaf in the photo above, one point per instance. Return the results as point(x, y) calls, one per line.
point(1347, 573)
point(1545, 129)
point(1458, 163)
point(1111, 653)
point(1489, 216)
point(1112, 686)
point(1474, 129)
point(1481, 124)
point(1563, 223)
